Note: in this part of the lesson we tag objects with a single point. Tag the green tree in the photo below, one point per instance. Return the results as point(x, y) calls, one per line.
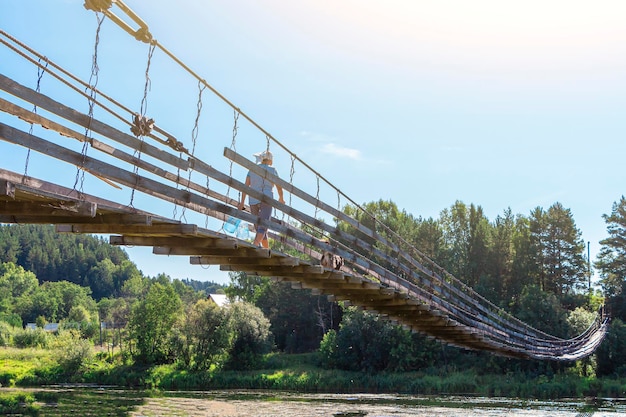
point(455, 225)
point(55, 256)
point(429, 239)
point(611, 355)
point(54, 300)
point(563, 251)
point(252, 337)
point(298, 318)
point(114, 311)
point(151, 322)
point(496, 283)
point(525, 269)
point(611, 261)
point(543, 311)
point(246, 287)
point(366, 342)
point(579, 320)
point(79, 314)
point(136, 287)
point(15, 282)
point(558, 249)
point(209, 335)
point(100, 278)
point(187, 294)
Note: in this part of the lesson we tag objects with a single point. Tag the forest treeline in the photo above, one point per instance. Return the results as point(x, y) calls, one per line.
point(534, 266)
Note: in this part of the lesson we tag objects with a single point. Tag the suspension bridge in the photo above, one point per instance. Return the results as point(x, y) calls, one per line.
point(107, 145)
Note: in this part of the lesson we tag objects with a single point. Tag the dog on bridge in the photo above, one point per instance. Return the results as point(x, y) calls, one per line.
point(332, 261)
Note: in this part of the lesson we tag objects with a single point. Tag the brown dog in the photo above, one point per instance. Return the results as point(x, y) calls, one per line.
point(329, 260)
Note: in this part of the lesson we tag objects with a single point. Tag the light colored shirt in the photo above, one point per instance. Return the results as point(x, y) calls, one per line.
point(261, 184)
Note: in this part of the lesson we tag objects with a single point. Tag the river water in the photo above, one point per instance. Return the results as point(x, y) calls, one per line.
point(288, 405)
point(88, 401)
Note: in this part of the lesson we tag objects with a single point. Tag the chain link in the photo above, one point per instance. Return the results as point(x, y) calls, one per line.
point(91, 90)
point(317, 196)
point(40, 72)
point(234, 149)
point(194, 137)
point(143, 109)
point(292, 171)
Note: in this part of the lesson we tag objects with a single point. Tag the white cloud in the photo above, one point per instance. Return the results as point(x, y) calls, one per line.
point(341, 151)
point(329, 147)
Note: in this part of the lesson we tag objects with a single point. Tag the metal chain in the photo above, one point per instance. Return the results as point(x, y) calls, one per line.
point(91, 89)
point(208, 187)
point(40, 72)
point(234, 149)
point(292, 172)
point(143, 108)
point(317, 196)
point(194, 137)
point(338, 206)
point(199, 104)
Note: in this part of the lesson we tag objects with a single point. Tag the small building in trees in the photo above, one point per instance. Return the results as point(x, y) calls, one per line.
point(221, 300)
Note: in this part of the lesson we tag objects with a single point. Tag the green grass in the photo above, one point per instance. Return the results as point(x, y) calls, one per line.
point(297, 373)
point(26, 366)
point(18, 403)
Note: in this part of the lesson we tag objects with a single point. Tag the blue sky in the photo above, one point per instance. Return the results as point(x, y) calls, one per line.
point(500, 104)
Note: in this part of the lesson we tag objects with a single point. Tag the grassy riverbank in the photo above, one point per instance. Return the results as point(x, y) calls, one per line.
point(299, 373)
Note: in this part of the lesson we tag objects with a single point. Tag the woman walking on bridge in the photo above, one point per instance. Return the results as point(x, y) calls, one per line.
point(265, 186)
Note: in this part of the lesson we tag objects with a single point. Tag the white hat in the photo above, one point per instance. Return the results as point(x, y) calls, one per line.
point(261, 156)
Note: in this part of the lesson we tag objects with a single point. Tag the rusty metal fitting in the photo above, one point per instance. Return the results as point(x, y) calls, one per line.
point(142, 126)
point(98, 5)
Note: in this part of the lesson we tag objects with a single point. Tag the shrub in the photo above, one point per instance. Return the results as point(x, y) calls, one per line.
point(73, 350)
point(252, 337)
point(31, 338)
point(11, 318)
point(18, 403)
point(328, 349)
point(611, 354)
point(6, 333)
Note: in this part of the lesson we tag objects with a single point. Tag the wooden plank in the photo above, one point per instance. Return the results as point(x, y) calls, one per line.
point(277, 269)
point(401, 303)
point(7, 188)
point(117, 219)
point(231, 253)
point(225, 260)
point(359, 292)
point(61, 208)
point(331, 286)
point(35, 118)
point(85, 121)
point(192, 242)
point(293, 277)
point(37, 187)
point(154, 230)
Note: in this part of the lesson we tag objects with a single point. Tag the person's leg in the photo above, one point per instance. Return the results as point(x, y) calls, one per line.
point(265, 213)
point(255, 209)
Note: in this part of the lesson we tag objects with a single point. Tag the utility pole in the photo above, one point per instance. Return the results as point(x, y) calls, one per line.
point(589, 266)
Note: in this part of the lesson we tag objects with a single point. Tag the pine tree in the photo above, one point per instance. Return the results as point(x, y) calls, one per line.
point(611, 261)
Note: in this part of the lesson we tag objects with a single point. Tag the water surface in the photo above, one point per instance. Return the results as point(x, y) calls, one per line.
point(91, 401)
